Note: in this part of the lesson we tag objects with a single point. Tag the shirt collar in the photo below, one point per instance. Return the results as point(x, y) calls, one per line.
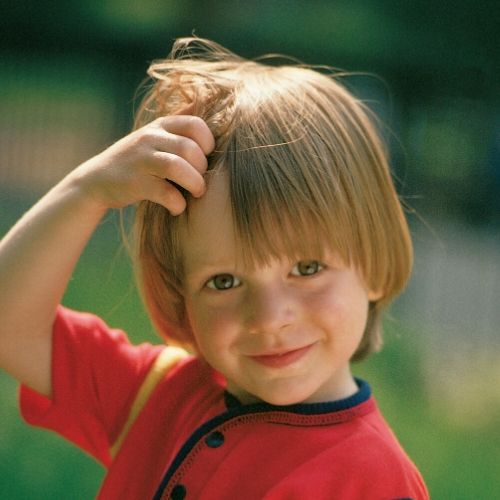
point(362, 395)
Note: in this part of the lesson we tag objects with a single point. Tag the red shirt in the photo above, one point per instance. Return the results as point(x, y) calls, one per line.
point(196, 440)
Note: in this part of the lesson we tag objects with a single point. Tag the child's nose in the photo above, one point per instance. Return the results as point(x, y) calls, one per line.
point(269, 310)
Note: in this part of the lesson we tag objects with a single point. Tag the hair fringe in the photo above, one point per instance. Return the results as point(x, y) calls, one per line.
point(307, 170)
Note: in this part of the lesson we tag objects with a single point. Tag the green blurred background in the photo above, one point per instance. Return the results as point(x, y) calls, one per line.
point(68, 74)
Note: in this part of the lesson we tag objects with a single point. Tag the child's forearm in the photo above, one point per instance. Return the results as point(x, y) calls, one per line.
point(39, 254)
point(37, 258)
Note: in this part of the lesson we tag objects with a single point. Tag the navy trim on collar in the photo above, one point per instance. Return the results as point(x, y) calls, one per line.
point(363, 393)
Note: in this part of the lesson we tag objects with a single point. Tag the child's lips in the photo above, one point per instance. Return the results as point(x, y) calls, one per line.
point(283, 358)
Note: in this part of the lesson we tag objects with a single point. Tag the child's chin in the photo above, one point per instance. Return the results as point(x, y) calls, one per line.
point(284, 399)
point(284, 395)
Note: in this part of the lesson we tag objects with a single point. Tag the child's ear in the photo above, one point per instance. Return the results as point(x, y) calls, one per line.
point(375, 295)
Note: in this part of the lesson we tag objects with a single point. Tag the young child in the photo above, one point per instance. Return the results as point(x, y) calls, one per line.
point(269, 239)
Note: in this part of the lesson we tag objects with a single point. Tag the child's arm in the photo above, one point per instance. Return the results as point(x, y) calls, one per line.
point(38, 255)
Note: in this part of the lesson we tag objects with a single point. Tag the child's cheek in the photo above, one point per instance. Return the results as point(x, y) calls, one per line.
point(330, 308)
point(213, 322)
point(327, 300)
point(338, 308)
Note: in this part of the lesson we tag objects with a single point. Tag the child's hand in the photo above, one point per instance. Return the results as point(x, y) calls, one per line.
point(140, 166)
point(45, 244)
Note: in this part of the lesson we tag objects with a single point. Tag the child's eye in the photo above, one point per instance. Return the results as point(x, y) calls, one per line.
point(306, 268)
point(223, 282)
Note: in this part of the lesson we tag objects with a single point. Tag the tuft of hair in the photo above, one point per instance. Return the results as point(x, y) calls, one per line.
point(307, 172)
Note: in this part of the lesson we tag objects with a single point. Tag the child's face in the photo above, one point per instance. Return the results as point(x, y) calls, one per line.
point(283, 333)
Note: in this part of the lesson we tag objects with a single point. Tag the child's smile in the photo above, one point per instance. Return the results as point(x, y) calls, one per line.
point(282, 357)
point(283, 333)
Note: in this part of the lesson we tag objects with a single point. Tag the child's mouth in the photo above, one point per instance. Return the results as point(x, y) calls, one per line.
point(282, 359)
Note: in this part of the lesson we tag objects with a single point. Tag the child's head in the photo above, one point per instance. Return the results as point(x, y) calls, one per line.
point(306, 170)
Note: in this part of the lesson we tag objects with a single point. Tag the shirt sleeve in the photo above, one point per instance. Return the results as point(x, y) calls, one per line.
point(96, 374)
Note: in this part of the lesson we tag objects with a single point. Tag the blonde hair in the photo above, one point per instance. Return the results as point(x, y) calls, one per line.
point(306, 167)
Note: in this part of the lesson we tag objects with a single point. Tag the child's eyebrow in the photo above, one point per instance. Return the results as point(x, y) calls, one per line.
point(201, 266)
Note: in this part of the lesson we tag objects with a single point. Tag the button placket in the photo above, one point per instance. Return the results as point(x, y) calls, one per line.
point(214, 439)
point(178, 492)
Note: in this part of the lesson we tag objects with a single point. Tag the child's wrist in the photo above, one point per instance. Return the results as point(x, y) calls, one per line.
point(81, 187)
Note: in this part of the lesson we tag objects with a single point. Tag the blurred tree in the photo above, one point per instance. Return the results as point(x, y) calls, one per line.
point(436, 56)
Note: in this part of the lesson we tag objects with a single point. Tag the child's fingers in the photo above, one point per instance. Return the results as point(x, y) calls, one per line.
point(183, 147)
point(190, 126)
point(162, 192)
point(172, 167)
